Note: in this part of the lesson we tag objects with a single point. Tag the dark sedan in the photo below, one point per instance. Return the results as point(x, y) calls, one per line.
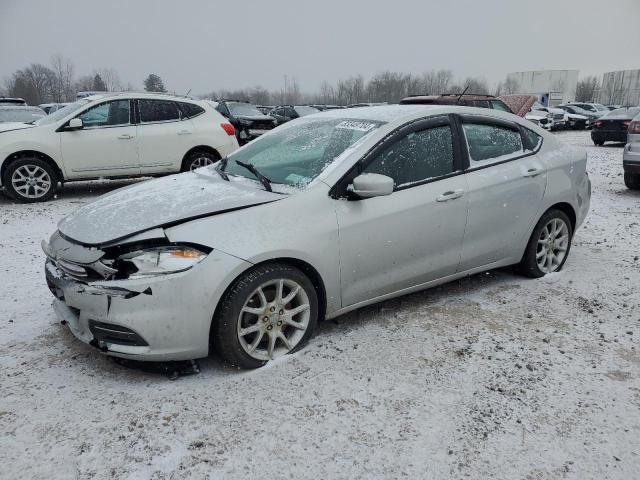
point(613, 126)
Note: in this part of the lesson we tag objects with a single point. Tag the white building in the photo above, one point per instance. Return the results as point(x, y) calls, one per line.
point(551, 86)
point(620, 88)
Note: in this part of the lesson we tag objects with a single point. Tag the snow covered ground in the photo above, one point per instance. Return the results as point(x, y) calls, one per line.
point(493, 376)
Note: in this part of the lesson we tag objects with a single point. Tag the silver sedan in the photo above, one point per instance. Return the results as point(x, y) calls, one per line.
point(319, 217)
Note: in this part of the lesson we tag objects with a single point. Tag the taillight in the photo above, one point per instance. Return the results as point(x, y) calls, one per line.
point(634, 127)
point(227, 127)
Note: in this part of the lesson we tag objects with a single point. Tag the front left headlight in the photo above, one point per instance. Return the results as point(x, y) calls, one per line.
point(160, 260)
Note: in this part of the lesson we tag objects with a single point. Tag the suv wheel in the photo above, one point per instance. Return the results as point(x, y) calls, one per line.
point(199, 159)
point(268, 312)
point(632, 180)
point(30, 179)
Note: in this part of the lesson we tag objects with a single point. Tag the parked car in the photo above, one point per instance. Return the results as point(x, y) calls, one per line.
point(366, 104)
point(20, 113)
point(631, 155)
point(265, 109)
point(248, 121)
point(52, 107)
point(469, 100)
point(559, 118)
point(578, 117)
point(613, 126)
point(12, 101)
point(285, 113)
point(596, 108)
point(117, 135)
point(321, 216)
point(538, 117)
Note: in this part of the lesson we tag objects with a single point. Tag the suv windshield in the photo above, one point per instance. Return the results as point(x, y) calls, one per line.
point(63, 112)
point(295, 154)
point(238, 109)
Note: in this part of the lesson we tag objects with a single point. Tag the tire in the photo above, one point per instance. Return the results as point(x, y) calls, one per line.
point(199, 158)
point(30, 179)
point(529, 265)
point(598, 142)
point(263, 319)
point(632, 180)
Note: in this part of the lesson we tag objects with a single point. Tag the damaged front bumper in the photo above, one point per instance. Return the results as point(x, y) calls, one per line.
point(159, 318)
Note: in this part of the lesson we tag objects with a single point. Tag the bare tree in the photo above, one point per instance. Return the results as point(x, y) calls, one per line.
point(111, 79)
point(62, 88)
point(586, 89)
point(34, 83)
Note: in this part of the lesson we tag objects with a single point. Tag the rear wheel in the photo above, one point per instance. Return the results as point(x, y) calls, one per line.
point(268, 312)
point(199, 159)
point(30, 179)
point(549, 245)
point(632, 180)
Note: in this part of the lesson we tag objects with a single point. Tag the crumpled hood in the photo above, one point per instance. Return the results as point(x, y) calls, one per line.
point(161, 202)
point(8, 126)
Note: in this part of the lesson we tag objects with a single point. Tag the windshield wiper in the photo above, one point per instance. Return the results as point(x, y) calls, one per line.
point(263, 180)
point(221, 172)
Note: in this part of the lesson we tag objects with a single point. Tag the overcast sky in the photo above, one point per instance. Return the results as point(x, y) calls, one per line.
point(205, 45)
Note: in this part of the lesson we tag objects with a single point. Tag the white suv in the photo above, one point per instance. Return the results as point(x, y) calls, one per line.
point(108, 136)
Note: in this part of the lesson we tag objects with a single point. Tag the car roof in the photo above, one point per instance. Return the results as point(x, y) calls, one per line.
point(383, 113)
point(151, 95)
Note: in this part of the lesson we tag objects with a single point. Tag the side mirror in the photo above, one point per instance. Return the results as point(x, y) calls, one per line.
point(369, 185)
point(75, 124)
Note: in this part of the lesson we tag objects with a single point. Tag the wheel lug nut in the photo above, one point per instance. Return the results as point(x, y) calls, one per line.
point(265, 319)
point(269, 327)
point(273, 309)
point(280, 312)
point(279, 324)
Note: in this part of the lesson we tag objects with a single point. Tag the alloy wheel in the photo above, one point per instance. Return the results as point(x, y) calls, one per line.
point(553, 244)
point(273, 319)
point(31, 181)
point(201, 161)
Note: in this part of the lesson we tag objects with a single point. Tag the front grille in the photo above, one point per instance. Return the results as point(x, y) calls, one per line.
point(110, 333)
point(558, 116)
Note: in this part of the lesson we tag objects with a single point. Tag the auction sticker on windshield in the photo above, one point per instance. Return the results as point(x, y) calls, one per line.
point(356, 125)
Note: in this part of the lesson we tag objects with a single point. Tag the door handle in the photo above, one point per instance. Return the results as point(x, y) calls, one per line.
point(533, 172)
point(450, 195)
point(126, 136)
point(184, 132)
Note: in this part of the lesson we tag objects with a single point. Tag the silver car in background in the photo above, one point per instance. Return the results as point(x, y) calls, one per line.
point(631, 155)
point(316, 218)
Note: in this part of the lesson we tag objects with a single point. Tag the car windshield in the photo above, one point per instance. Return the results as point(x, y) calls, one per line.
point(63, 112)
point(304, 110)
point(296, 153)
point(24, 115)
point(243, 109)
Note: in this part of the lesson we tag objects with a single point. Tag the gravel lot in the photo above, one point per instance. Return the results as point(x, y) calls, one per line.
point(492, 376)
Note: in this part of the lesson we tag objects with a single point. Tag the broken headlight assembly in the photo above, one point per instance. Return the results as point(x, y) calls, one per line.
point(163, 260)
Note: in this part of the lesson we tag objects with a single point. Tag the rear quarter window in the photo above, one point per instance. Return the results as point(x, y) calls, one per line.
point(190, 110)
point(491, 143)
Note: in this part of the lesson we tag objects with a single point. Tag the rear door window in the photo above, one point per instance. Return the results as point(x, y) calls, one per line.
point(489, 143)
point(190, 110)
point(158, 111)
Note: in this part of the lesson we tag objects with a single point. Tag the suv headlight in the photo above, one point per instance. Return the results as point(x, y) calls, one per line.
point(159, 260)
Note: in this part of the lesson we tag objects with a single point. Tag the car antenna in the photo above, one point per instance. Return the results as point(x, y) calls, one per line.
point(463, 92)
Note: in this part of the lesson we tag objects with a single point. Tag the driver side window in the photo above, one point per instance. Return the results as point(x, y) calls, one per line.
point(108, 114)
point(416, 157)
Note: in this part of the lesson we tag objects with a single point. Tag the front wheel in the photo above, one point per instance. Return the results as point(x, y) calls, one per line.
point(632, 180)
point(268, 312)
point(30, 179)
point(548, 246)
